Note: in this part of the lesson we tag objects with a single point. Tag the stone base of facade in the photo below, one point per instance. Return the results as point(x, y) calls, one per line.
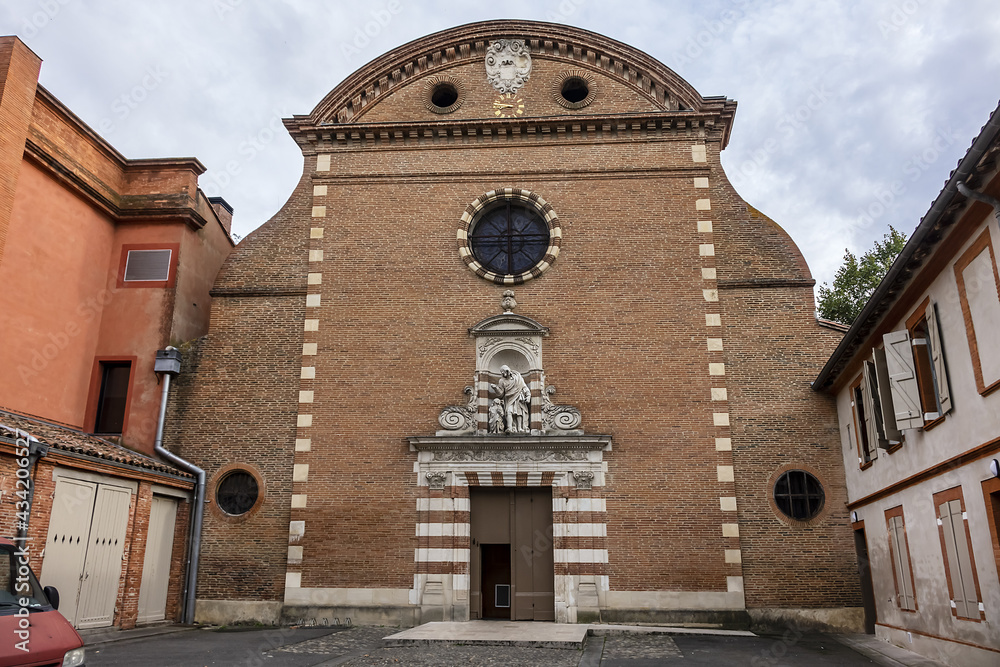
point(727, 619)
point(230, 612)
point(936, 648)
point(776, 620)
point(399, 616)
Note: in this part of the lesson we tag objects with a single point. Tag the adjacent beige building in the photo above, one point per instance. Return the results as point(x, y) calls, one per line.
point(915, 380)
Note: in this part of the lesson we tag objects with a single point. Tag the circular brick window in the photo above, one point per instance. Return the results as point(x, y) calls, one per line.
point(509, 236)
point(574, 90)
point(237, 492)
point(799, 495)
point(443, 94)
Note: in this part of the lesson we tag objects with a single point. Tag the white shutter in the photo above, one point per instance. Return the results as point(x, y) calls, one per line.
point(937, 359)
point(871, 430)
point(897, 533)
point(892, 434)
point(963, 583)
point(903, 380)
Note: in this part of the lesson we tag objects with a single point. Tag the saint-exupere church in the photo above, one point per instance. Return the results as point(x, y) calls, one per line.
point(515, 348)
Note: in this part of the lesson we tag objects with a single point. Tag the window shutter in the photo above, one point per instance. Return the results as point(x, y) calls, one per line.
point(951, 553)
point(892, 434)
point(898, 535)
point(937, 359)
point(870, 426)
point(903, 380)
point(147, 265)
point(965, 592)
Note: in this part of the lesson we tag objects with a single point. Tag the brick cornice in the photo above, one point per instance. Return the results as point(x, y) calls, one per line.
point(765, 283)
point(544, 130)
point(129, 208)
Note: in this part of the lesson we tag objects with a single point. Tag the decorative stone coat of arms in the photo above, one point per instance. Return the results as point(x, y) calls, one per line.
point(508, 65)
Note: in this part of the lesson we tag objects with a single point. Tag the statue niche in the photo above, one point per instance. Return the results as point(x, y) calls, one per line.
point(509, 396)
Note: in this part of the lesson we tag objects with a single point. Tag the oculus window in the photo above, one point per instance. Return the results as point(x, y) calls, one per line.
point(509, 238)
point(798, 495)
point(237, 493)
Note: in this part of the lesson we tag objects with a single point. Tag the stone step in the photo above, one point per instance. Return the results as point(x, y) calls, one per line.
point(493, 633)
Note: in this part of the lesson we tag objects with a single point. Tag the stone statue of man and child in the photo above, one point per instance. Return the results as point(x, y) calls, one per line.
point(510, 412)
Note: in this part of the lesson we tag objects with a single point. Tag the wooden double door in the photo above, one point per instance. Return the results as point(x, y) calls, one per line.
point(512, 573)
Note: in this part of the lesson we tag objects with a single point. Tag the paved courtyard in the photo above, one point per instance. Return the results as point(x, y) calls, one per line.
point(363, 646)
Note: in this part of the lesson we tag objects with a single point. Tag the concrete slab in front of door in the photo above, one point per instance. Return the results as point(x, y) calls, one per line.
point(493, 633)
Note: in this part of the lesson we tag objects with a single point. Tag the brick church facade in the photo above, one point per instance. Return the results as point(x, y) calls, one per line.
point(499, 203)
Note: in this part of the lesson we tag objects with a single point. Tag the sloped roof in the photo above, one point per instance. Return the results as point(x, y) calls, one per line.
point(933, 227)
point(65, 439)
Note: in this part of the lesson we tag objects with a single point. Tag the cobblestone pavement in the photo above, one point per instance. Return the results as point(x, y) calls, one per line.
point(362, 647)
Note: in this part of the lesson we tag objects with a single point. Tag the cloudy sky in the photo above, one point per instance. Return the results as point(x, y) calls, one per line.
point(851, 113)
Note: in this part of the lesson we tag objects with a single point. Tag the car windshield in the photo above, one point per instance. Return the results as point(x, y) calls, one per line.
point(17, 590)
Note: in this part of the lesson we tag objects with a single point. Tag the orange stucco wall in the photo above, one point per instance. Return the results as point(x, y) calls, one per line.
point(54, 277)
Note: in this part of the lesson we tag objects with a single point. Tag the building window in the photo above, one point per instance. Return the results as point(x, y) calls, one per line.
point(956, 547)
point(899, 554)
point(991, 496)
point(237, 492)
point(799, 495)
point(509, 236)
point(916, 370)
point(574, 89)
point(148, 265)
point(864, 427)
point(979, 293)
point(443, 94)
point(112, 400)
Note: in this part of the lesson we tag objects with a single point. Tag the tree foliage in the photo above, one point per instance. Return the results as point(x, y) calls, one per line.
point(857, 279)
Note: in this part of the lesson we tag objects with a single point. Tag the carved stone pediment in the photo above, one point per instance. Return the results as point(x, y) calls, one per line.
point(508, 324)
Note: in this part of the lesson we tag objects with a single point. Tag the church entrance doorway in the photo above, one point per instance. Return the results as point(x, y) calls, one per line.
point(512, 573)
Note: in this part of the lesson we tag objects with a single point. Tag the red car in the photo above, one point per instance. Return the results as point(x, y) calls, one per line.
point(32, 632)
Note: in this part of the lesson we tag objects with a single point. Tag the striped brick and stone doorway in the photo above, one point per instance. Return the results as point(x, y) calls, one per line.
point(512, 571)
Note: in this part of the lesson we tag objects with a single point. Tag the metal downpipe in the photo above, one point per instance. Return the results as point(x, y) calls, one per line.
point(197, 510)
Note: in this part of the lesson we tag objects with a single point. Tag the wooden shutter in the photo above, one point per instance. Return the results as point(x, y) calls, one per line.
point(871, 430)
point(901, 560)
point(903, 380)
point(892, 434)
point(960, 568)
point(937, 359)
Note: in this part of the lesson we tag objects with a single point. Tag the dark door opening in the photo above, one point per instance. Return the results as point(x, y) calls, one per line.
point(865, 572)
point(512, 573)
point(495, 560)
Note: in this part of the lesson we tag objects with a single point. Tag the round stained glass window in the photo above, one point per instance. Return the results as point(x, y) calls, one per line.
point(237, 493)
point(509, 238)
point(799, 495)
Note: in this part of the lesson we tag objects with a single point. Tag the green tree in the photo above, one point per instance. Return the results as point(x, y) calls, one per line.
point(857, 279)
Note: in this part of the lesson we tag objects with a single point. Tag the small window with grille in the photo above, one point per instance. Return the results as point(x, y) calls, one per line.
point(148, 265)
point(237, 493)
point(799, 495)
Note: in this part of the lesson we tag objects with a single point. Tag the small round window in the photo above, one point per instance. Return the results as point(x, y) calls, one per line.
point(443, 94)
point(237, 493)
point(574, 89)
point(799, 495)
point(509, 236)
